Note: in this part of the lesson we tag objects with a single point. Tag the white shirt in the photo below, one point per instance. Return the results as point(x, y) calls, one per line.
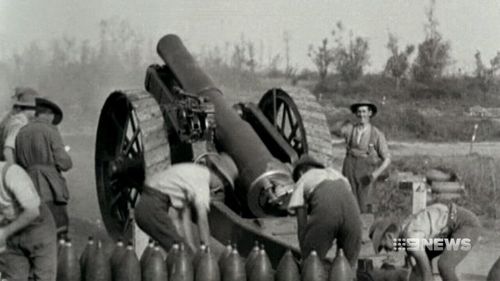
point(183, 182)
point(431, 222)
point(308, 182)
point(18, 194)
point(12, 127)
point(360, 131)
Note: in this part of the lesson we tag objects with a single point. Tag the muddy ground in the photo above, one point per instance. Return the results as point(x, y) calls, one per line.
point(84, 208)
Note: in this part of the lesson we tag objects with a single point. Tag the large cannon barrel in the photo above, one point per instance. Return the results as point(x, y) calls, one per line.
point(235, 136)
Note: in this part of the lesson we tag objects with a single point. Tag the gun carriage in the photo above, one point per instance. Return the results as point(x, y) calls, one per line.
point(181, 116)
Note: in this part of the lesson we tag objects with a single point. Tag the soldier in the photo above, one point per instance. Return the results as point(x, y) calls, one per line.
point(27, 230)
point(446, 221)
point(182, 186)
point(40, 150)
point(22, 111)
point(366, 146)
point(325, 195)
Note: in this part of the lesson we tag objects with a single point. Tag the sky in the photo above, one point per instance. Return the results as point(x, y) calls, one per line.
point(468, 25)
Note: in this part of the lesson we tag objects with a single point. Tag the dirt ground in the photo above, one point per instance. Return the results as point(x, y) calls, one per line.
point(85, 210)
point(434, 149)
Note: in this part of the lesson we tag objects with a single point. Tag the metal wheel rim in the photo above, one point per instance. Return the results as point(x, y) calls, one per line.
point(119, 140)
point(281, 110)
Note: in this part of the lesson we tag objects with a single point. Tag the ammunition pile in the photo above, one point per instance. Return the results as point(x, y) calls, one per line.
point(494, 273)
point(180, 265)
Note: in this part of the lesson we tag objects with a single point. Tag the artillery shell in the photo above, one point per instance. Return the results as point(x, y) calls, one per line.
point(287, 270)
point(199, 254)
point(147, 252)
point(116, 258)
point(90, 250)
point(262, 269)
point(97, 267)
point(494, 274)
point(341, 269)
point(233, 268)
point(313, 268)
point(129, 268)
point(155, 269)
point(225, 254)
point(68, 266)
point(207, 268)
point(251, 257)
point(60, 245)
point(171, 258)
point(182, 269)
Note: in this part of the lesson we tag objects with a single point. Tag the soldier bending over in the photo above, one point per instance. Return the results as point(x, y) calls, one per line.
point(182, 186)
point(325, 195)
point(447, 221)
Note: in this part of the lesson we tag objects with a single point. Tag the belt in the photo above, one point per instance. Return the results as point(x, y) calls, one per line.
point(41, 167)
point(357, 153)
point(155, 192)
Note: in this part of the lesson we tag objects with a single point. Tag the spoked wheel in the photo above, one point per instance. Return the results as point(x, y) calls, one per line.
point(131, 143)
point(300, 119)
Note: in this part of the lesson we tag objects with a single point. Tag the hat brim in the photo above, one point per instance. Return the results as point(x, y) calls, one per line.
point(305, 161)
point(58, 114)
point(373, 108)
point(30, 105)
point(220, 165)
point(224, 174)
point(378, 230)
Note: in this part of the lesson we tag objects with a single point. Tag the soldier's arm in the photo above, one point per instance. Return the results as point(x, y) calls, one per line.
point(22, 188)
point(422, 270)
point(61, 157)
point(8, 153)
point(9, 150)
point(187, 225)
point(203, 227)
point(383, 151)
point(25, 218)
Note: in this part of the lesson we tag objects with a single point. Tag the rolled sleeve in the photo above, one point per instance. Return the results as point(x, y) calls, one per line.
point(202, 195)
point(21, 185)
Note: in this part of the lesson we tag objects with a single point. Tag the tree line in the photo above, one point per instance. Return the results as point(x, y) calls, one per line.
point(80, 74)
point(433, 55)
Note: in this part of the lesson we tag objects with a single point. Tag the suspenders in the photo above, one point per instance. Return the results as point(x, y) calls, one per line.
point(371, 141)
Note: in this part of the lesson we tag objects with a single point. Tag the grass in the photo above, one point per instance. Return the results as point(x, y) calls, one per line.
point(480, 174)
point(434, 112)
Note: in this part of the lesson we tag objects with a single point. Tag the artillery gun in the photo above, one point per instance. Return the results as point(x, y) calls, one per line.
point(181, 116)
